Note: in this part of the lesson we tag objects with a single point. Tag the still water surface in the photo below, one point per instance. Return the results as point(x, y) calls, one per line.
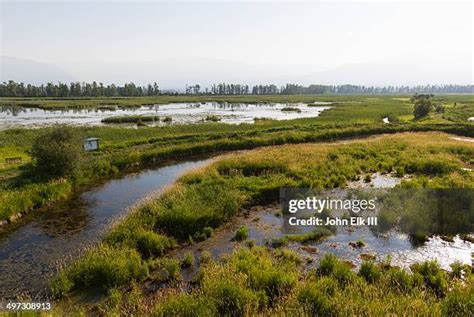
point(181, 113)
point(29, 255)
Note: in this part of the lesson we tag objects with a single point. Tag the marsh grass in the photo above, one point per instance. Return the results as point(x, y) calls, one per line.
point(206, 198)
point(241, 234)
point(124, 149)
point(213, 118)
point(131, 119)
point(291, 109)
point(256, 282)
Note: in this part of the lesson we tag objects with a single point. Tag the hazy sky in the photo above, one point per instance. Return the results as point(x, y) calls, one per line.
point(293, 40)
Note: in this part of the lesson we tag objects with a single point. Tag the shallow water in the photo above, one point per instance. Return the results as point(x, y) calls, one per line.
point(29, 255)
point(181, 113)
point(264, 225)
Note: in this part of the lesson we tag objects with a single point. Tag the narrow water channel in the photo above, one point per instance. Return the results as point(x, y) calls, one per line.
point(29, 256)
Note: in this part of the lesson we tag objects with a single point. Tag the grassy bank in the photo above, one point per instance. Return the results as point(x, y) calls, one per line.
point(265, 282)
point(235, 182)
point(19, 196)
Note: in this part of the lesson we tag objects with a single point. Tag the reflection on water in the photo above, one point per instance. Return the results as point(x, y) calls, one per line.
point(29, 255)
point(234, 113)
point(264, 225)
point(66, 219)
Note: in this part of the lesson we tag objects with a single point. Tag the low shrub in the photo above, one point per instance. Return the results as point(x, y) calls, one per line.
point(104, 267)
point(212, 118)
point(460, 301)
point(459, 270)
point(242, 233)
point(150, 243)
point(314, 302)
point(330, 265)
point(433, 277)
point(171, 267)
point(370, 271)
point(291, 109)
point(176, 210)
point(188, 259)
point(131, 119)
point(400, 280)
point(232, 299)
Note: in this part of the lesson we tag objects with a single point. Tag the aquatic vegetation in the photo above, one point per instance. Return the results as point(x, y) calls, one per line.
point(188, 259)
point(242, 233)
point(313, 236)
point(235, 181)
point(213, 118)
point(150, 243)
point(131, 119)
point(370, 271)
point(104, 267)
point(257, 282)
point(291, 109)
point(206, 257)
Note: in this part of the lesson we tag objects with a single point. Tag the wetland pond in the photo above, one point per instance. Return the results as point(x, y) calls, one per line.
point(265, 224)
point(181, 113)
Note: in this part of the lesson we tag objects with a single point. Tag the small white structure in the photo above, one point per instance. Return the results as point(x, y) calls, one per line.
point(91, 144)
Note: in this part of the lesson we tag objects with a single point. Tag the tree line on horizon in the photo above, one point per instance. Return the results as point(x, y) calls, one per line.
point(94, 89)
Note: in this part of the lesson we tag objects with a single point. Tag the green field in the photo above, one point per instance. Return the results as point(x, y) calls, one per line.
point(125, 148)
point(85, 102)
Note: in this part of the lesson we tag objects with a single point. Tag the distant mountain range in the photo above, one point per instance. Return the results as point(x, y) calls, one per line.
point(176, 73)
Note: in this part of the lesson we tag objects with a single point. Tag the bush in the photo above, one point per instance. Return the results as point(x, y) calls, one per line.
point(327, 264)
point(171, 268)
point(433, 277)
point(188, 259)
point(422, 105)
point(439, 108)
point(460, 270)
point(241, 234)
point(178, 216)
point(289, 256)
point(150, 243)
point(213, 118)
point(291, 109)
point(131, 119)
point(232, 299)
point(314, 302)
point(370, 271)
point(57, 153)
point(208, 231)
point(400, 280)
point(459, 302)
point(104, 267)
point(330, 265)
point(274, 283)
